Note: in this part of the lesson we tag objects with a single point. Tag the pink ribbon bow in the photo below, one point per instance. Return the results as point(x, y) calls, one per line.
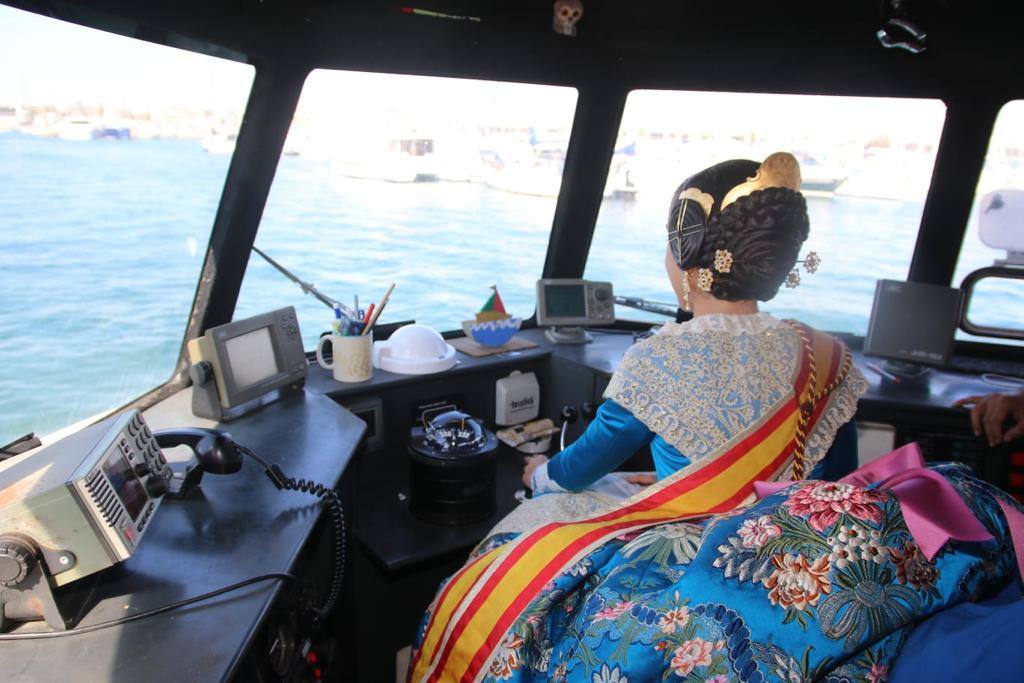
point(932, 508)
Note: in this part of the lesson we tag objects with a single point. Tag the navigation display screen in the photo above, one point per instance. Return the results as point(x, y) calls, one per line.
point(565, 301)
point(126, 485)
point(934, 310)
point(251, 356)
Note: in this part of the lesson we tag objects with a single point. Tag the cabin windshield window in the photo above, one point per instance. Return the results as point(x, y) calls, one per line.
point(996, 302)
point(442, 186)
point(866, 165)
point(107, 199)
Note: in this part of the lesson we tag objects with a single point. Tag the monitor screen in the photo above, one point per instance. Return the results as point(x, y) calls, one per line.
point(126, 485)
point(913, 321)
point(251, 357)
point(565, 301)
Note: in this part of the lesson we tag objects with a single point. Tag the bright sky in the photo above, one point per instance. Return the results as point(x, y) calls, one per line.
point(381, 99)
point(46, 61)
point(816, 116)
point(59, 63)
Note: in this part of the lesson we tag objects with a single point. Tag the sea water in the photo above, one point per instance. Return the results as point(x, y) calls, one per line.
point(102, 243)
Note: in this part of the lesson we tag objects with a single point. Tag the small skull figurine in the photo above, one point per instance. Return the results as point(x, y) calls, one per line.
point(567, 13)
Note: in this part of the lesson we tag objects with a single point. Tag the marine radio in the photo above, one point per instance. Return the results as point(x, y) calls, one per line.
point(82, 504)
point(73, 508)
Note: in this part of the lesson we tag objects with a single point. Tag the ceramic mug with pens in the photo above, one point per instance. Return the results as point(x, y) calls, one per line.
point(350, 356)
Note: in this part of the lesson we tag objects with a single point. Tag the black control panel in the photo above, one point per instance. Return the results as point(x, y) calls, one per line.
point(1001, 465)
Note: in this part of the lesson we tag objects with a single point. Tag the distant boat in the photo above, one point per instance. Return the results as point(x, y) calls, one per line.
point(296, 143)
point(76, 128)
point(621, 182)
point(820, 187)
point(396, 160)
point(218, 143)
point(534, 178)
point(817, 178)
point(895, 176)
point(540, 175)
point(9, 118)
point(893, 186)
point(532, 168)
point(112, 133)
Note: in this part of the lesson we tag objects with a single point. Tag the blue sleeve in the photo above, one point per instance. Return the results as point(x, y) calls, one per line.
point(841, 458)
point(608, 441)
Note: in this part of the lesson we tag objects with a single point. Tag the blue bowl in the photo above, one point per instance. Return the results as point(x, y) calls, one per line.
point(492, 333)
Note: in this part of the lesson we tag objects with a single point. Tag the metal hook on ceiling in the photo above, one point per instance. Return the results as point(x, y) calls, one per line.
point(902, 34)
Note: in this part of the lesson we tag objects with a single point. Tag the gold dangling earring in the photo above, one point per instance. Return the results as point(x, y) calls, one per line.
point(686, 291)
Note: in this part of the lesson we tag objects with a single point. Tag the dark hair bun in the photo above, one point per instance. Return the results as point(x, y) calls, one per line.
point(764, 232)
point(714, 181)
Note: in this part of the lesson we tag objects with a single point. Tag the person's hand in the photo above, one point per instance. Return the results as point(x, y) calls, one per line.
point(640, 478)
point(532, 463)
point(991, 411)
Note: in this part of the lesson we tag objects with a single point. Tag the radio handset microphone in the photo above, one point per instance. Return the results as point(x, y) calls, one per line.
point(216, 452)
point(213, 451)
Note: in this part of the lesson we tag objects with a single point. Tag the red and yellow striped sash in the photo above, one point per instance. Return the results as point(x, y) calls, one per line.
point(473, 613)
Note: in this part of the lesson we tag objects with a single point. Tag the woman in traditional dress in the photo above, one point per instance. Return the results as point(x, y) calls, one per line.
point(734, 234)
point(690, 577)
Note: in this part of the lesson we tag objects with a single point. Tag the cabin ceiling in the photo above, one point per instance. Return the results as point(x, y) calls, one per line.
point(798, 46)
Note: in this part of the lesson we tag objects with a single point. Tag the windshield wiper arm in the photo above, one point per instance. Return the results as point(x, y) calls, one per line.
point(668, 310)
point(308, 287)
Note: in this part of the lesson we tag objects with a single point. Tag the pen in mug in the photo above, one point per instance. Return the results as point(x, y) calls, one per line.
point(380, 308)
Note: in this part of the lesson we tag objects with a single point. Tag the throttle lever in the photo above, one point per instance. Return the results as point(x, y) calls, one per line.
point(569, 415)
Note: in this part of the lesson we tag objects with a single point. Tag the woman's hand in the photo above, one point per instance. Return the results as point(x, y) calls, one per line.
point(532, 463)
point(640, 478)
point(991, 411)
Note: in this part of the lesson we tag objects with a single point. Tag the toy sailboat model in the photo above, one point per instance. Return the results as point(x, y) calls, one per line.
point(493, 325)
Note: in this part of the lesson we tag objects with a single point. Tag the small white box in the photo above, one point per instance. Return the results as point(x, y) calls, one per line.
point(516, 398)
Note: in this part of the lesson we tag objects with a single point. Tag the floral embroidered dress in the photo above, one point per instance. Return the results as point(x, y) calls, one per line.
point(693, 578)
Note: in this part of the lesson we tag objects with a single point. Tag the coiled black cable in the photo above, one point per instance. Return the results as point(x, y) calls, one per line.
point(336, 517)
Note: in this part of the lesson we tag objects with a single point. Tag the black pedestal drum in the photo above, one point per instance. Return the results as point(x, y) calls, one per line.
point(451, 469)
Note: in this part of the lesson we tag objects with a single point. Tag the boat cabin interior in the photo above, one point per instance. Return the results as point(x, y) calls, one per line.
point(445, 147)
